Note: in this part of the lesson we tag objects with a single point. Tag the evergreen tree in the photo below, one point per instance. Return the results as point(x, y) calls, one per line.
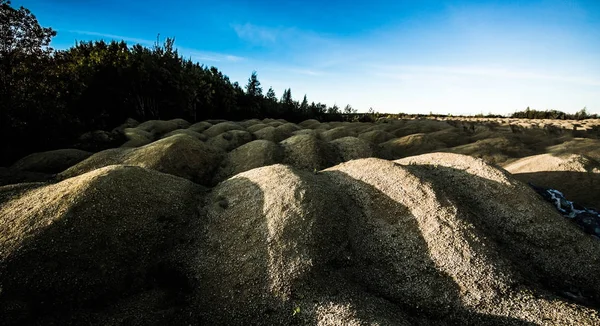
point(349, 110)
point(253, 87)
point(304, 105)
point(271, 95)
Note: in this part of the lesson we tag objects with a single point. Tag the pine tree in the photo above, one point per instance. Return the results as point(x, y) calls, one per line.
point(271, 95)
point(304, 105)
point(253, 87)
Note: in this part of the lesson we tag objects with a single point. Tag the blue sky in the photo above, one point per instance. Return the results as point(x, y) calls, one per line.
point(459, 57)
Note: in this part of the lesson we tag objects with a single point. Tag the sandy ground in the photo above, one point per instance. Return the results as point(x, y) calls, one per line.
point(262, 222)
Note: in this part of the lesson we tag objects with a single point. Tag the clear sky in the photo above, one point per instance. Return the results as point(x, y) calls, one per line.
point(418, 56)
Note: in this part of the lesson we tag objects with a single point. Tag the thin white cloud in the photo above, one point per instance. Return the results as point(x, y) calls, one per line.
point(208, 56)
point(286, 36)
point(257, 34)
point(115, 37)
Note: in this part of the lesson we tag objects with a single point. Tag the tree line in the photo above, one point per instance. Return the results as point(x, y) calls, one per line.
point(553, 114)
point(49, 97)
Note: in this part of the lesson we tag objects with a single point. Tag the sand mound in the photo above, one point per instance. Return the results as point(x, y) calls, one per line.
point(10, 176)
point(322, 126)
point(221, 128)
point(93, 244)
point(376, 136)
point(137, 137)
point(312, 132)
point(420, 126)
point(252, 155)
point(581, 146)
point(308, 152)
point(200, 126)
point(288, 128)
point(98, 140)
point(274, 123)
point(230, 140)
point(338, 132)
point(309, 124)
point(267, 230)
point(51, 161)
point(498, 150)
point(352, 148)
point(410, 145)
point(179, 155)
point(181, 123)
point(273, 134)
point(256, 127)
point(158, 127)
point(406, 244)
point(249, 123)
point(387, 126)
point(577, 176)
point(129, 123)
point(188, 132)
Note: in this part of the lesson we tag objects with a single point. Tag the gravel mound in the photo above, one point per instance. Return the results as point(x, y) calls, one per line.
point(230, 140)
point(338, 132)
point(420, 126)
point(273, 134)
point(309, 124)
point(498, 150)
point(98, 140)
point(137, 137)
point(200, 126)
point(252, 155)
point(248, 123)
point(581, 146)
point(101, 248)
point(129, 123)
point(10, 176)
point(158, 127)
point(352, 148)
point(188, 132)
point(267, 230)
point(288, 128)
point(376, 136)
point(181, 123)
point(376, 242)
point(51, 161)
point(256, 127)
point(577, 176)
point(309, 153)
point(222, 127)
point(410, 145)
point(179, 155)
